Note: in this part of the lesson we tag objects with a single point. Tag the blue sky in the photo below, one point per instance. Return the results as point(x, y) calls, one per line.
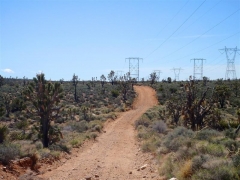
point(91, 38)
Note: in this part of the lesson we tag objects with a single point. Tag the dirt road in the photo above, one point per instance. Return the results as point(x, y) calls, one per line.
point(116, 153)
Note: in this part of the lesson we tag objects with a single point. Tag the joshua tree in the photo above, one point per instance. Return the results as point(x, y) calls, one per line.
point(44, 97)
point(75, 82)
point(103, 80)
point(111, 76)
point(221, 93)
point(1, 80)
point(124, 85)
point(235, 87)
point(153, 78)
point(7, 101)
point(193, 105)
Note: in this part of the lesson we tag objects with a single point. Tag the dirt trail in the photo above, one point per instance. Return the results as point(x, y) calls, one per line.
point(116, 153)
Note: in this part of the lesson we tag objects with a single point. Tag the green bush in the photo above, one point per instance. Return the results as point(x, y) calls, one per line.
point(115, 93)
point(217, 173)
point(180, 136)
point(80, 126)
point(159, 127)
point(142, 121)
point(206, 134)
point(3, 132)
point(9, 152)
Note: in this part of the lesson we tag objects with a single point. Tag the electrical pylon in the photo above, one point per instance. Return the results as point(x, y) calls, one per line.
point(158, 72)
point(119, 73)
point(198, 68)
point(134, 67)
point(230, 71)
point(177, 72)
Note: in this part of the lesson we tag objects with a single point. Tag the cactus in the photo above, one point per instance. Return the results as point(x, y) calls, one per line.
point(44, 97)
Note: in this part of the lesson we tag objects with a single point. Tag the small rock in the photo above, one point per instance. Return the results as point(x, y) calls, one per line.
point(144, 176)
point(130, 172)
point(96, 176)
point(49, 170)
point(88, 178)
point(5, 168)
point(173, 178)
point(143, 167)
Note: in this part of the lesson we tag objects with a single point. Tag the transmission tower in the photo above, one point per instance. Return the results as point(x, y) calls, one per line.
point(177, 72)
point(198, 68)
point(134, 67)
point(230, 71)
point(158, 72)
point(119, 73)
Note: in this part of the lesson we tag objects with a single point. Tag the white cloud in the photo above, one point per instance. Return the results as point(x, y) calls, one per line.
point(8, 70)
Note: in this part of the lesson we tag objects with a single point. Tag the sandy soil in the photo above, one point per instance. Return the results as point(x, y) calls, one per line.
point(116, 153)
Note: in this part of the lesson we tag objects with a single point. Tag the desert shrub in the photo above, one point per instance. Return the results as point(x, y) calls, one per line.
point(229, 143)
point(147, 146)
point(44, 153)
point(185, 170)
point(80, 126)
point(93, 136)
point(206, 134)
point(115, 93)
point(219, 172)
point(230, 133)
point(167, 168)
point(23, 124)
point(142, 121)
point(236, 160)
point(180, 136)
point(38, 145)
point(197, 161)
point(60, 147)
point(205, 147)
point(9, 152)
point(3, 132)
point(159, 127)
point(75, 143)
point(15, 135)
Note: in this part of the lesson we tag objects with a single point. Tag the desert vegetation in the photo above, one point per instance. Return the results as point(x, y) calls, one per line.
point(194, 131)
point(41, 119)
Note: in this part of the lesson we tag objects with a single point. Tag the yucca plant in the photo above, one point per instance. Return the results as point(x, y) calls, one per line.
point(45, 97)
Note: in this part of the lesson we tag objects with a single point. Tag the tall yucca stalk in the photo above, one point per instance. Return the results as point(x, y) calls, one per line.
point(45, 97)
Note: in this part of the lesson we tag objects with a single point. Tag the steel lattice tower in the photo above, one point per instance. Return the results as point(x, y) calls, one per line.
point(134, 67)
point(198, 68)
point(177, 72)
point(230, 71)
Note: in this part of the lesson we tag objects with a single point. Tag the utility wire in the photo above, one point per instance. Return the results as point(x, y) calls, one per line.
point(173, 18)
point(203, 33)
point(176, 29)
point(209, 46)
point(202, 15)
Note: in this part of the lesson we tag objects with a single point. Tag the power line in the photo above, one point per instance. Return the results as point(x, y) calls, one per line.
point(206, 47)
point(173, 17)
point(202, 34)
point(176, 29)
point(202, 15)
